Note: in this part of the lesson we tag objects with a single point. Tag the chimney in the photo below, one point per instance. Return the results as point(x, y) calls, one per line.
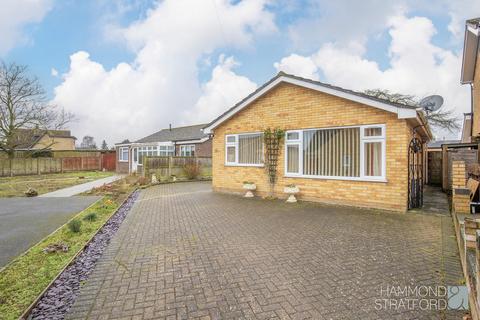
point(170, 126)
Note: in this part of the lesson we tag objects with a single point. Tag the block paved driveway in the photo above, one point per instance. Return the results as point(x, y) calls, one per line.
point(187, 253)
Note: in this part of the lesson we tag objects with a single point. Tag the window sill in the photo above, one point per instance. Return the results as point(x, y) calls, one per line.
point(244, 165)
point(122, 160)
point(361, 179)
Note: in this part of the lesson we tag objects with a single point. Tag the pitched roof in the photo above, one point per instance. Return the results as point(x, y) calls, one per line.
point(403, 110)
point(194, 132)
point(28, 138)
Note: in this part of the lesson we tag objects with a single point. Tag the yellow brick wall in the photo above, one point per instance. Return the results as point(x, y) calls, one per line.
point(55, 143)
point(291, 107)
point(476, 100)
point(458, 174)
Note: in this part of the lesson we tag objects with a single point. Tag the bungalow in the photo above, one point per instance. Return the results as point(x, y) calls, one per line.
point(341, 146)
point(181, 141)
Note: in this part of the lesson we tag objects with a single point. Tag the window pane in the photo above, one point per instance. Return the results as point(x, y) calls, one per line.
point(231, 154)
point(250, 149)
point(231, 139)
point(373, 132)
point(333, 152)
point(293, 159)
point(292, 136)
point(373, 159)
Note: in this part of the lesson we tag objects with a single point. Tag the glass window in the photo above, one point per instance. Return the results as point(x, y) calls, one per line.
point(123, 154)
point(293, 135)
point(293, 163)
point(244, 149)
point(187, 151)
point(373, 132)
point(373, 159)
point(338, 152)
point(325, 152)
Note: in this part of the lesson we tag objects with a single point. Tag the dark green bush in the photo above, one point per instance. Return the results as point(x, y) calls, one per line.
point(75, 225)
point(92, 216)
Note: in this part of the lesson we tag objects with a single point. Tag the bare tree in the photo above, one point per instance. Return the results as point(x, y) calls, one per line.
point(444, 119)
point(23, 105)
point(88, 142)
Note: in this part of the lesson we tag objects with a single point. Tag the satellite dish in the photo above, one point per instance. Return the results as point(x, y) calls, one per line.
point(431, 103)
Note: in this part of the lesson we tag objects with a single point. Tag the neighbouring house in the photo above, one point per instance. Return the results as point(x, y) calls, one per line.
point(186, 141)
point(38, 139)
point(471, 75)
point(340, 146)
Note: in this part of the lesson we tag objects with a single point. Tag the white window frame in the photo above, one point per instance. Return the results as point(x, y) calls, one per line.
point(235, 144)
point(363, 139)
point(120, 155)
point(183, 150)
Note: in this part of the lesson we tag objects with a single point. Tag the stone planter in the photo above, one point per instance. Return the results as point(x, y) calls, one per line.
point(249, 187)
point(291, 191)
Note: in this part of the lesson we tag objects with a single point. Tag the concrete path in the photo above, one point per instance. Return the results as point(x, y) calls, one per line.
point(74, 190)
point(435, 201)
point(185, 252)
point(25, 221)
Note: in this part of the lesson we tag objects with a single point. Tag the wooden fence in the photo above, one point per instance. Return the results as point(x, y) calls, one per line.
point(470, 156)
point(166, 167)
point(31, 166)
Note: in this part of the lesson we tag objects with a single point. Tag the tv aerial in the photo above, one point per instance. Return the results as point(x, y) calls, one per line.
point(431, 103)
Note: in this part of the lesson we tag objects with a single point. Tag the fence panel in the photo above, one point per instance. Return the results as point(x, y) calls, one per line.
point(165, 167)
point(31, 166)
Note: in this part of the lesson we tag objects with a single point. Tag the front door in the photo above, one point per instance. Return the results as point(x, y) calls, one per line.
point(134, 160)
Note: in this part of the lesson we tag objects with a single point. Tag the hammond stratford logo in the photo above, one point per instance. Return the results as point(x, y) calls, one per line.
point(422, 298)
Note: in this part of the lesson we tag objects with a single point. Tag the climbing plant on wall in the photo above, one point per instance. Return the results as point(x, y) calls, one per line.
point(273, 141)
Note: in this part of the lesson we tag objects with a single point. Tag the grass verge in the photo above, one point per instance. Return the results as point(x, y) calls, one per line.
point(27, 276)
point(16, 186)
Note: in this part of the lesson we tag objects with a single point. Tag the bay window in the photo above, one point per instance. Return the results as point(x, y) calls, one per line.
point(350, 153)
point(244, 149)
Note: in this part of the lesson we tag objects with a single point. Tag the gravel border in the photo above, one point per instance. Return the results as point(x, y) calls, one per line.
point(58, 299)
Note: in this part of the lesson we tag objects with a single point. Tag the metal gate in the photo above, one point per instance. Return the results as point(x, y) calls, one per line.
point(415, 174)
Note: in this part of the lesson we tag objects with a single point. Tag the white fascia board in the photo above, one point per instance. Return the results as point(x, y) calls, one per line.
point(192, 141)
point(475, 31)
point(401, 112)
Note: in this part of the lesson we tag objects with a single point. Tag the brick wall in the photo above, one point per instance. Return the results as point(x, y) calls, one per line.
point(292, 107)
point(122, 166)
point(201, 149)
point(461, 194)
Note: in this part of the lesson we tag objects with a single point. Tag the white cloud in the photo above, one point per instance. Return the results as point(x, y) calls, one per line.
point(161, 84)
point(14, 16)
point(223, 90)
point(417, 66)
point(54, 72)
point(298, 65)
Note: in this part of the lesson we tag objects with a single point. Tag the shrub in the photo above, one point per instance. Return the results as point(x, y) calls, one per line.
point(92, 216)
point(192, 170)
point(142, 181)
point(75, 225)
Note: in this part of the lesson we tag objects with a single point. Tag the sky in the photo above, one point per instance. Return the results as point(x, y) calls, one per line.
point(128, 68)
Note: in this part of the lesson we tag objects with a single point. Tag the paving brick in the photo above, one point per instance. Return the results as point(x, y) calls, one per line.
point(186, 252)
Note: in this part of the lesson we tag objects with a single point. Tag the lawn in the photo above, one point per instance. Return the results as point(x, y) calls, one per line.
point(16, 186)
point(26, 277)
